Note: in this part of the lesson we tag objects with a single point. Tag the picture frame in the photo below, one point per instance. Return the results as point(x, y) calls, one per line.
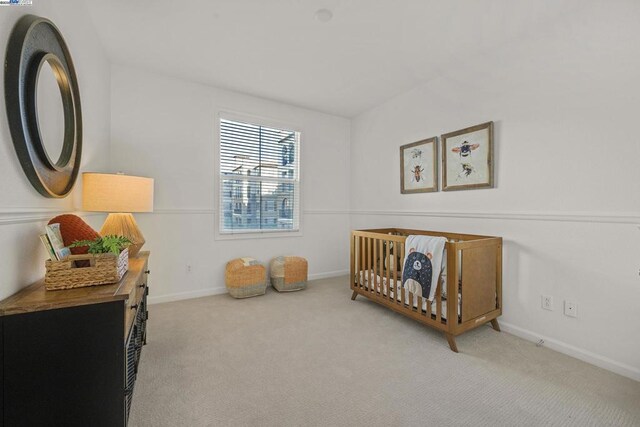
point(419, 166)
point(467, 158)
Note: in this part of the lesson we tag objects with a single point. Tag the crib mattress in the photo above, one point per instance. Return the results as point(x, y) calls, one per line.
point(382, 285)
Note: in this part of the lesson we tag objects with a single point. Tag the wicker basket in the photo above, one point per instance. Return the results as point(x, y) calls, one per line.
point(245, 278)
point(103, 269)
point(288, 273)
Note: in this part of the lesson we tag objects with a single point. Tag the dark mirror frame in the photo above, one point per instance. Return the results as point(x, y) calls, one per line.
point(35, 42)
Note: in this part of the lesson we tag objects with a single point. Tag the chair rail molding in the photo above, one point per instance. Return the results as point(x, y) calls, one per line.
point(591, 217)
point(204, 211)
point(22, 215)
point(184, 211)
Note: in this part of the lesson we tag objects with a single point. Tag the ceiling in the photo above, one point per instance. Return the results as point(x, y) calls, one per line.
point(369, 52)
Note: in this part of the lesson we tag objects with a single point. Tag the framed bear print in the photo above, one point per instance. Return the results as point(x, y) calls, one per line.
point(419, 167)
point(467, 158)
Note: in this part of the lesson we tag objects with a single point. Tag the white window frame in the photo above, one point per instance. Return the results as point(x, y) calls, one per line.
point(219, 234)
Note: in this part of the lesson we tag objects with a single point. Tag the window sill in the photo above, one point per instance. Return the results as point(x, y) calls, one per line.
point(249, 235)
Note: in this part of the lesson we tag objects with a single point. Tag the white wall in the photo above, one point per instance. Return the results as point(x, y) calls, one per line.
point(23, 211)
point(167, 129)
point(567, 199)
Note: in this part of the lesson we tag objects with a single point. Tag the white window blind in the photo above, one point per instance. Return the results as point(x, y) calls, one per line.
point(259, 178)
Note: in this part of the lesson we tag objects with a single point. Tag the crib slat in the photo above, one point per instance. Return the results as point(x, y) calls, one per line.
point(395, 272)
point(381, 267)
point(352, 259)
point(375, 266)
point(390, 287)
point(439, 303)
point(400, 261)
point(428, 308)
point(356, 255)
point(378, 275)
point(369, 256)
point(372, 266)
point(362, 261)
point(372, 283)
point(358, 259)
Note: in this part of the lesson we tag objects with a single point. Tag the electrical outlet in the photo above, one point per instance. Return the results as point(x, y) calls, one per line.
point(570, 309)
point(188, 268)
point(547, 302)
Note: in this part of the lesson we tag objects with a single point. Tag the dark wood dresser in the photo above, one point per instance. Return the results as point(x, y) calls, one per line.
point(70, 357)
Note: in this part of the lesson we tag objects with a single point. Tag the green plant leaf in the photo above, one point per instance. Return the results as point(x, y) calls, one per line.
point(106, 244)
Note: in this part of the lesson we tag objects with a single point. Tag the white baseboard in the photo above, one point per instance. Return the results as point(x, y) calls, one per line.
point(187, 295)
point(223, 290)
point(328, 274)
point(584, 355)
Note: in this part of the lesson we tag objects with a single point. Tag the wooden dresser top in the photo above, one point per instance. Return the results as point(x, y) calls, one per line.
point(36, 298)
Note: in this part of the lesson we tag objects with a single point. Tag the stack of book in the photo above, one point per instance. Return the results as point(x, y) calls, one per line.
point(53, 243)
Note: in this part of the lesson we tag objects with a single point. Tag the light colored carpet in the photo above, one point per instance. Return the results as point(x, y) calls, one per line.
point(316, 358)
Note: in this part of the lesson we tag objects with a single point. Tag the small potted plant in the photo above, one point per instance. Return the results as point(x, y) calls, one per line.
point(104, 245)
point(106, 262)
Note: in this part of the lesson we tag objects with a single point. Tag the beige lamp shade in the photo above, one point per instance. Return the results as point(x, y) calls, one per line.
point(104, 192)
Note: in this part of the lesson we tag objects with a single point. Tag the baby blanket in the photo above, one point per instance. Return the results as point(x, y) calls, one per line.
point(423, 263)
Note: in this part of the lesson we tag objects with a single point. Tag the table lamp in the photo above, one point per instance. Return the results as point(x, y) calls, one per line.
point(120, 195)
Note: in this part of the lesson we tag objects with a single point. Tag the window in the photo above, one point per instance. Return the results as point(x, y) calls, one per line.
point(259, 178)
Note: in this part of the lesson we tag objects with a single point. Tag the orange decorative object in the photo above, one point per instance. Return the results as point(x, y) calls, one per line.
point(74, 228)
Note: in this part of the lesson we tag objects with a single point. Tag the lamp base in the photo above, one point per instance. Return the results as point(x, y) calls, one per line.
point(124, 224)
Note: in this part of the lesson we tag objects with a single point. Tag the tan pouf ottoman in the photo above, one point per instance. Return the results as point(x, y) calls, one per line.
point(288, 273)
point(245, 277)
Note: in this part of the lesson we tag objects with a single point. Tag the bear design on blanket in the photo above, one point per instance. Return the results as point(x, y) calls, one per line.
point(417, 273)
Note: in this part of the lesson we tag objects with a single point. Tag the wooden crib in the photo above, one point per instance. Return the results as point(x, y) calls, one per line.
point(474, 274)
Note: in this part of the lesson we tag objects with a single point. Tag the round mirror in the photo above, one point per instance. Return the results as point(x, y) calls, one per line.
point(43, 106)
point(50, 112)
